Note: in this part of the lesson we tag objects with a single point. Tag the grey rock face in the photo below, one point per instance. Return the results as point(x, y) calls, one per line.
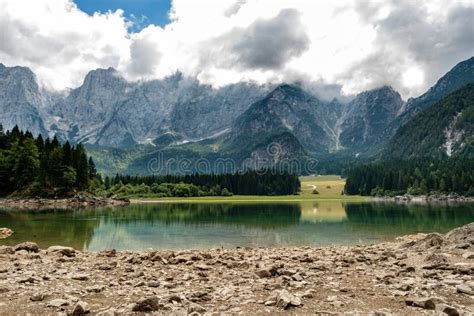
point(85, 110)
point(178, 106)
point(20, 99)
point(108, 111)
point(287, 109)
point(367, 116)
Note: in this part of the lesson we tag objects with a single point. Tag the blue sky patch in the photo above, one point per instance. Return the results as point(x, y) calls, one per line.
point(141, 12)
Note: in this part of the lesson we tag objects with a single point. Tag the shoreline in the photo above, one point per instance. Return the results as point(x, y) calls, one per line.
point(424, 198)
point(90, 202)
point(63, 203)
point(242, 199)
point(415, 274)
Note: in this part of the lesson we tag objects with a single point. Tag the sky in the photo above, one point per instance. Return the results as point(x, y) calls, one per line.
point(141, 12)
point(338, 47)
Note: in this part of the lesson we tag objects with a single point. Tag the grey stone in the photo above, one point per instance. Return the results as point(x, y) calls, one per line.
point(58, 303)
point(81, 308)
point(383, 312)
point(285, 299)
point(202, 267)
point(196, 308)
point(79, 276)
point(95, 289)
point(468, 255)
point(424, 302)
point(263, 273)
point(65, 251)
point(147, 304)
point(27, 279)
point(153, 284)
point(37, 297)
point(464, 288)
point(447, 309)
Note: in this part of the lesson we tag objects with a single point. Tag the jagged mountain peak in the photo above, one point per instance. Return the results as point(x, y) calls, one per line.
point(462, 73)
point(367, 115)
point(293, 90)
point(289, 95)
point(19, 73)
point(378, 92)
point(20, 99)
point(103, 77)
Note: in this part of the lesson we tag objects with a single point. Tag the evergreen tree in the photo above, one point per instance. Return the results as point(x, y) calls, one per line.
point(92, 169)
point(42, 167)
point(25, 162)
point(81, 166)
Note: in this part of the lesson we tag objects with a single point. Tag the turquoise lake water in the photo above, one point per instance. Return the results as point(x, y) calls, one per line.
point(211, 225)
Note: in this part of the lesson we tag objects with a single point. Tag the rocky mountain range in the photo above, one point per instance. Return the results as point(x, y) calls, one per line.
point(126, 121)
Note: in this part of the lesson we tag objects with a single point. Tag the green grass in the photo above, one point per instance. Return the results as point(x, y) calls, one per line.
point(329, 188)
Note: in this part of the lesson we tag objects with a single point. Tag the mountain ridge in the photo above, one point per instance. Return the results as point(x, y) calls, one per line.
point(181, 115)
point(443, 130)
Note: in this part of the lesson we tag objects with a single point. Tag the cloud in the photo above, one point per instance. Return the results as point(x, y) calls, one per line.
point(59, 42)
point(263, 45)
point(144, 55)
point(349, 46)
point(234, 8)
point(422, 38)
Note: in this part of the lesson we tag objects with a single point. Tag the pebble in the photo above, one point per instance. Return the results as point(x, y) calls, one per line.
point(79, 276)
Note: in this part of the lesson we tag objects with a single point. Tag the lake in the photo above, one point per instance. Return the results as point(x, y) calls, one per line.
point(211, 225)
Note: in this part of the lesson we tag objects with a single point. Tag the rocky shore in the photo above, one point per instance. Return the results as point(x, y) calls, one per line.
point(73, 202)
point(414, 275)
point(425, 198)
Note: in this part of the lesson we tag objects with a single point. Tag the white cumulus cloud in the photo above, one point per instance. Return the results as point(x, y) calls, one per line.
point(348, 46)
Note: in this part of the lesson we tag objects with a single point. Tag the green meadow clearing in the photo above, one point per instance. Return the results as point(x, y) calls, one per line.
point(328, 187)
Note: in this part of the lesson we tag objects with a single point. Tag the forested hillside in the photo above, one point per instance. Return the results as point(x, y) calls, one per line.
point(417, 176)
point(431, 154)
point(443, 130)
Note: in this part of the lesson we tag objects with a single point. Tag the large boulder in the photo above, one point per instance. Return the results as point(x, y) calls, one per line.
point(65, 251)
point(430, 241)
point(462, 235)
point(28, 246)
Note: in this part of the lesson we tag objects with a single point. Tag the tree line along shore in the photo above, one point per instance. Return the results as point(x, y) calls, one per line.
point(36, 167)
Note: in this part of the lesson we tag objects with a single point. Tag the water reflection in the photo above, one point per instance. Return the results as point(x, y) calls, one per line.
point(199, 225)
